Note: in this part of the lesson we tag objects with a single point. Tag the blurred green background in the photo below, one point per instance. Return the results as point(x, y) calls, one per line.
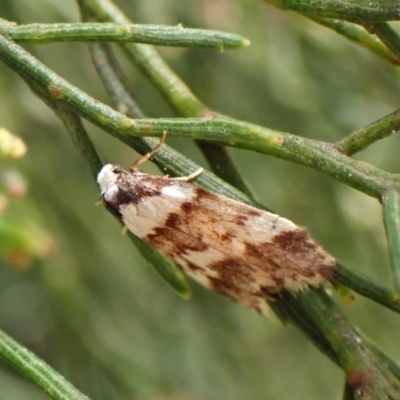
point(94, 309)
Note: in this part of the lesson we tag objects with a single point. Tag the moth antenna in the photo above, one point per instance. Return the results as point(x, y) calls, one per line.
point(195, 174)
point(148, 155)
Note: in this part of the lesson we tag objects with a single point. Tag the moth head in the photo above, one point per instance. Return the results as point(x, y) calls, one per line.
point(108, 176)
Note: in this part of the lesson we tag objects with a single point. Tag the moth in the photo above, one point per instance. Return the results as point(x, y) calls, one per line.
point(237, 250)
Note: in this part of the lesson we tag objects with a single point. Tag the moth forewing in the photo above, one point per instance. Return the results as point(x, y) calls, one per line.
point(230, 247)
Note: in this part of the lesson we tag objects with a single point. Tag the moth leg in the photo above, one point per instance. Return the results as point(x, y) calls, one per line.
point(124, 230)
point(150, 154)
point(195, 174)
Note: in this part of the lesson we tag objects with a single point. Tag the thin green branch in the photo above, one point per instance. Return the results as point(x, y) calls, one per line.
point(114, 80)
point(366, 287)
point(349, 10)
point(317, 155)
point(391, 218)
point(288, 312)
point(37, 370)
point(363, 372)
point(364, 137)
point(386, 34)
point(160, 35)
point(358, 35)
point(384, 359)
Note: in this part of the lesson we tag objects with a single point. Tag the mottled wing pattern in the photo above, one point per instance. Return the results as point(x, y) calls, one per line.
point(235, 249)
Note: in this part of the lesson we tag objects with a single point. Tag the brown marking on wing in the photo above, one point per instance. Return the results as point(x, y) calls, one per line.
point(240, 219)
point(292, 257)
point(127, 195)
point(170, 240)
point(224, 288)
point(173, 221)
point(327, 270)
point(312, 260)
point(190, 213)
point(294, 241)
point(193, 267)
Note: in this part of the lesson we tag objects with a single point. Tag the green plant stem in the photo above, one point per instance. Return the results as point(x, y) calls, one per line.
point(358, 35)
point(386, 34)
point(317, 155)
point(384, 359)
point(391, 218)
point(160, 35)
point(364, 137)
point(363, 371)
point(298, 316)
point(349, 10)
point(114, 80)
point(366, 287)
point(37, 370)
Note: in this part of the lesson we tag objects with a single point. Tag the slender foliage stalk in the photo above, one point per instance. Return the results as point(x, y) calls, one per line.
point(320, 156)
point(363, 373)
point(366, 287)
point(364, 137)
point(349, 10)
point(391, 218)
point(160, 35)
point(37, 370)
point(358, 35)
point(387, 35)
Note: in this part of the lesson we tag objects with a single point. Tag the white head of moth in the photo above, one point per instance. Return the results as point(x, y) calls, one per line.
point(244, 253)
